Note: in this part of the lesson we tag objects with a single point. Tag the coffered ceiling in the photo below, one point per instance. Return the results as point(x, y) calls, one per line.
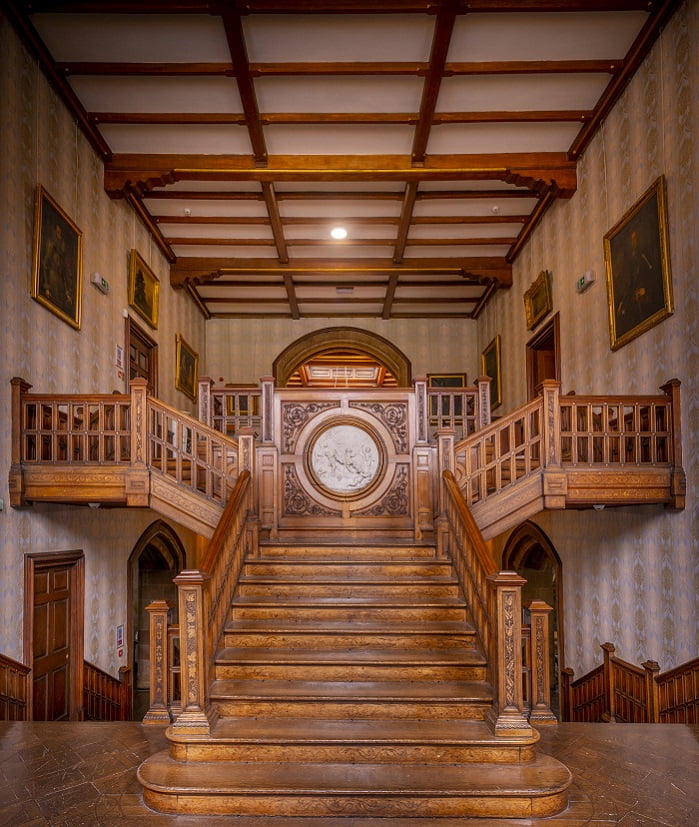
point(436, 132)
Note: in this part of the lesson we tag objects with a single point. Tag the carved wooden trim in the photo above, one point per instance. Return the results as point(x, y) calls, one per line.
point(158, 709)
point(295, 415)
point(396, 501)
point(394, 415)
point(297, 502)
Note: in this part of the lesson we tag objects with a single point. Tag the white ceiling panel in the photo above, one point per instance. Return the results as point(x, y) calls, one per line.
point(231, 231)
point(428, 231)
point(177, 140)
point(206, 208)
point(148, 38)
point(334, 186)
point(322, 231)
point(455, 251)
point(338, 94)
point(474, 207)
point(339, 251)
point(334, 139)
point(340, 307)
point(333, 210)
point(157, 94)
point(221, 251)
point(544, 36)
point(484, 138)
point(304, 38)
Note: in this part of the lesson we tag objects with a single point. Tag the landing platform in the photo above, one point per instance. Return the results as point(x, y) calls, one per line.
point(85, 773)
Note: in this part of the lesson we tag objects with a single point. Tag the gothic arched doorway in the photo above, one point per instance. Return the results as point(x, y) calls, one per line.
point(531, 554)
point(350, 352)
point(156, 559)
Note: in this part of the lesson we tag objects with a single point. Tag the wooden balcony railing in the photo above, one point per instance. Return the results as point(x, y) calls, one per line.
point(621, 691)
point(572, 451)
point(495, 603)
point(106, 698)
point(14, 689)
point(182, 658)
point(228, 409)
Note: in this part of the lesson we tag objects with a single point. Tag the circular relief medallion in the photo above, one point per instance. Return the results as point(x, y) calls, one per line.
point(345, 460)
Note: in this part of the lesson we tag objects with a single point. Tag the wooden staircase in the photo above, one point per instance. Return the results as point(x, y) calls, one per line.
point(349, 684)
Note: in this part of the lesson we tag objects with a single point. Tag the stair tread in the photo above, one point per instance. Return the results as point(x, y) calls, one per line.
point(543, 776)
point(371, 730)
point(277, 625)
point(357, 691)
point(257, 600)
point(364, 655)
point(348, 580)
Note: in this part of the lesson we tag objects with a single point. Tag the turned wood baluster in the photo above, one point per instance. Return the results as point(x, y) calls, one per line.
point(540, 669)
point(158, 712)
point(198, 716)
point(507, 717)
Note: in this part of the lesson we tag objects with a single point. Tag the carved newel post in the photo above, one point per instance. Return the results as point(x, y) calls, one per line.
point(507, 716)
point(197, 716)
point(541, 713)
point(204, 385)
point(158, 712)
point(138, 480)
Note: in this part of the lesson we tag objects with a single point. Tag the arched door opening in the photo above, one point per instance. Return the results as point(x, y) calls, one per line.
point(531, 554)
point(156, 559)
point(342, 357)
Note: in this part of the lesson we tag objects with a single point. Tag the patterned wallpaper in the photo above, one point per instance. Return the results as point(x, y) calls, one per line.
point(630, 575)
point(41, 144)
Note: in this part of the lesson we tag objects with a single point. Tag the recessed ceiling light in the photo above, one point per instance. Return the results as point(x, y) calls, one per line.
point(338, 233)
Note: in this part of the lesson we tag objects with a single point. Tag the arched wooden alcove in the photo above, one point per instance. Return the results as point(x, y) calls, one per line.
point(334, 338)
point(532, 555)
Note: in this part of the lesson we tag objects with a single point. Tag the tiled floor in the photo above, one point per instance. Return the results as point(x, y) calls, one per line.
point(85, 774)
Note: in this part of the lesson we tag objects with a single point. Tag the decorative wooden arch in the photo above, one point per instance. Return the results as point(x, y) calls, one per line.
point(319, 341)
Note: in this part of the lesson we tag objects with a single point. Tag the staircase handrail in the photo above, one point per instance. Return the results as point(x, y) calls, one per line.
point(494, 599)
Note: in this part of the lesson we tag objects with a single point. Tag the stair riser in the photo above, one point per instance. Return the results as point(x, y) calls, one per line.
point(349, 672)
point(300, 708)
point(353, 753)
point(338, 570)
point(348, 552)
point(398, 614)
point(386, 591)
point(342, 641)
point(327, 804)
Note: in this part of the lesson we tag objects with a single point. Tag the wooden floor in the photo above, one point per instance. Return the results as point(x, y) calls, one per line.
point(85, 774)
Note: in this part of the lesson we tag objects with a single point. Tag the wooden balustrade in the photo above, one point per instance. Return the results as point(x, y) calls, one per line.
point(620, 691)
point(229, 409)
point(14, 689)
point(106, 698)
point(205, 597)
point(495, 602)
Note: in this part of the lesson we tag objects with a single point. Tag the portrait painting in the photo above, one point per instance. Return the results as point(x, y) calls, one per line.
point(144, 289)
point(537, 300)
point(637, 264)
point(490, 366)
point(446, 380)
point(57, 265)
point(187, 366)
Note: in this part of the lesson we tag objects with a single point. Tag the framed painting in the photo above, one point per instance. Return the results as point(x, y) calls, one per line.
point(57, 265)
point(187, 367)
point(144, 289)
point(490, 366)
point(537, 300)
point(446, 380)
point(637, 265)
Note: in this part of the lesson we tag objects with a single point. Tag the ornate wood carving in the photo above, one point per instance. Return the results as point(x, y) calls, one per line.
point(396, 502)
point(296, 500)
point(294, 417)
point(394, 416)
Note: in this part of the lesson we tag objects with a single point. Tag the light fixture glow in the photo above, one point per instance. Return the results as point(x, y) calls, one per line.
point(338, 233)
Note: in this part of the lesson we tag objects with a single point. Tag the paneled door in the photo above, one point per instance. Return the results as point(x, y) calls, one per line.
point(143, 356)
point(55, 621)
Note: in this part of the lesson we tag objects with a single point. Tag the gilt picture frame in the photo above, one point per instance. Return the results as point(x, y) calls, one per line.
point(187, 368)
point(144, 289)
point(637, 266)
point(490, 366)
point(537, 300)
point(446, 380)
point(57, 260)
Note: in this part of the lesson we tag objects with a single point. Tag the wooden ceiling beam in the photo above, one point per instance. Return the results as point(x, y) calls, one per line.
point(239, 55)
point(275, 222)
point(430, 90)
point(291, 295)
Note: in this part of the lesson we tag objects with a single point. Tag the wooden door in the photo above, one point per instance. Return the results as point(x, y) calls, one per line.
point(53, 635)
point(543, 360)
point(142, 354)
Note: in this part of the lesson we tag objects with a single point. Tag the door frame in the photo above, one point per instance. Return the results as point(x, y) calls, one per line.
point(551, 329)
point(131, 328)
point(75, 560)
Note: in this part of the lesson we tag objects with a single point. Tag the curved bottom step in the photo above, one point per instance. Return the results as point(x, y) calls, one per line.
point(536, 789)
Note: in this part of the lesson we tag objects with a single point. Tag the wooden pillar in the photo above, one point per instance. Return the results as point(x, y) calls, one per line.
point(158, 712)
point(16, 478)
point(267, 408)
point(507, 716)
point(205, 413)
point(198, 716)
point(541, 713)
point(484, 417)
point(138, 480)
point(446, 461)
point(567, 709)
point(678, 480)
point(422, 416)
point(609, 713)
point(652, 669)
point(555, 482)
